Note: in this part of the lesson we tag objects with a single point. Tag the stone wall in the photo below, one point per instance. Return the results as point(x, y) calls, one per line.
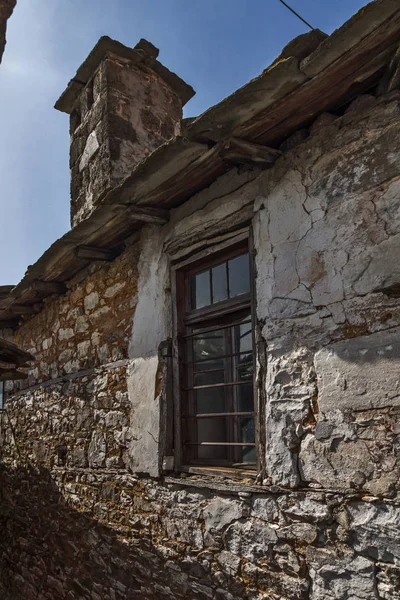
point(88, 326)
point(107, 534)
point(76, 411)
point(85, 439)
point(122, 114)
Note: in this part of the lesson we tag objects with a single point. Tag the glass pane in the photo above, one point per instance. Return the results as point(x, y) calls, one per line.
point(249, 456)
point(211, 430)
point(244, 337)
point(210, 400)
point(200, 289)
point(245, 398)
point(245, 372)
point(239, 275)
point(209, 378)
point(207, 345)
point(219, 283)
point(205, 365)
point(246, 430)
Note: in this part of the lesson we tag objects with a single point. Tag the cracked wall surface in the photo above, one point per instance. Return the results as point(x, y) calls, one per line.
point(86, 438)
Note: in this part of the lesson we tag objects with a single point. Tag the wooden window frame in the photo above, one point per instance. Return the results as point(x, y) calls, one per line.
point(184, 318)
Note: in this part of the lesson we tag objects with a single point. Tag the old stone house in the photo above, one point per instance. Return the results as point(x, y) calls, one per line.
point(213, 412)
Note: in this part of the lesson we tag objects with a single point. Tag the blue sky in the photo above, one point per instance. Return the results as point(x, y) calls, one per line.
point(215, 45)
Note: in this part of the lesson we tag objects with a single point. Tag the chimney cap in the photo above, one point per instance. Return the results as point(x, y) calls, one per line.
point(144, 53)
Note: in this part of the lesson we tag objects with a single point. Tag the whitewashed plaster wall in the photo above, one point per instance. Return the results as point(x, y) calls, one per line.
point(326, 223)
point(327, 241)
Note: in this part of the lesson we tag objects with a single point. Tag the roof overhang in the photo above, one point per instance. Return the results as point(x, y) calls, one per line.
point(12, 358)
point(248, 126)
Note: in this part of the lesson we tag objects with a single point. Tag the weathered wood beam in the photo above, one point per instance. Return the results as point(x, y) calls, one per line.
point(8, 324)
point(47, 287)
point(190, 180)
point(7, 365)
point(154, 216)
point(95, 253)
point(12, 375)
point(5, 290)
point(243, 152)
point(24, 309)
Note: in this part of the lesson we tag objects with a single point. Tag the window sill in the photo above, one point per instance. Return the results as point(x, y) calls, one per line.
point(228, 472)
point(218, 479)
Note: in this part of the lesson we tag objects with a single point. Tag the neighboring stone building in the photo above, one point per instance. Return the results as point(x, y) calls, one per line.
point(145, 457)
point(6, 9)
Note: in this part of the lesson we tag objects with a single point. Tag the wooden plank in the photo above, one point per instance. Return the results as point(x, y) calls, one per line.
point(12, 375)
point(7, 365)
point(163, 164)
point(189, 181)
point(5, 290)
point(10, 352)
point(96, 253)
point(229, 472)
point(48, 287)
point(219, 443)
point(244, 152)
point(23, 309)
point(153, 216)
point(8, 324)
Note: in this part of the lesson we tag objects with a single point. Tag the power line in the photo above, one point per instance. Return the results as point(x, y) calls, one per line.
point(297, 14)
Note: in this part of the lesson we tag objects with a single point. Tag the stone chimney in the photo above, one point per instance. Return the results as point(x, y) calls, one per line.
point(123, 104)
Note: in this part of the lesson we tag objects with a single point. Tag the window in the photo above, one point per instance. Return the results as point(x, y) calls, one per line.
point(215, 341)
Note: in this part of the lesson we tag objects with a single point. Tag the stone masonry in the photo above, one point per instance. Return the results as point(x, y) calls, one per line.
point(88, 509)
point(124, 111)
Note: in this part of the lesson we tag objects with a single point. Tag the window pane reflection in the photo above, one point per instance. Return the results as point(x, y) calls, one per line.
point(249, 456)
point(207, 345)
point(245, 398)
point(210, 400)
point(200, 290)
point(209, 378)
point(229, 279)
point(239, 275)
point(211, 430)
point(219, 283)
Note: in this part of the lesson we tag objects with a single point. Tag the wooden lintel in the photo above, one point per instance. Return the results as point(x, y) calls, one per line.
point(244, 152)
point(95, 253)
